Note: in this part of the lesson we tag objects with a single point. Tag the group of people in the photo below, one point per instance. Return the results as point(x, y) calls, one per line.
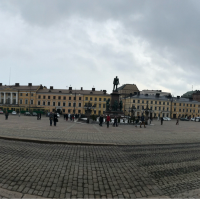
point(53, 117)
point(108, 120)
point(70, 116)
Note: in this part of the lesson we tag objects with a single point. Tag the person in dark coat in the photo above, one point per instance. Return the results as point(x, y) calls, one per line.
point(51, 118)
point(100, 120)
point(6, 115)
point(55, 118)
point(143, 122)
point(64, 116)
point(115, 122)
point(40, 115)
point(161, 119)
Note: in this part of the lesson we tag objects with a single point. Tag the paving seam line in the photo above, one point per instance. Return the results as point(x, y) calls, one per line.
point(12, 194)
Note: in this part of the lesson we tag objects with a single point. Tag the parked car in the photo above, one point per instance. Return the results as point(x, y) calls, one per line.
point(168, 118)
point(1, 112)
point(34, 114)
point(192, 119)
point(14, 113)
point(27, 114)
point(184, 119)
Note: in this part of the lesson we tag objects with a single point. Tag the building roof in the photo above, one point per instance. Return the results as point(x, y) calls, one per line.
point(128, 87)
point(19, 88)
point(164, 98)
point(188, 94)
point(67, 91)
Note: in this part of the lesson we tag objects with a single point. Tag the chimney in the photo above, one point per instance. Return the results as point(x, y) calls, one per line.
point(51, 87)
point(29, 84)
point(0, 84)
point(16, 84)
point(157, 94)
point(104, 91)
point(178, 97)
point(81, 88)
point(93, 89)
point(70, 88)
point(41, 87)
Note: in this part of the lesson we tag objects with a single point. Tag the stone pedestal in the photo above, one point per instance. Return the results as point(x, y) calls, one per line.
point(114, 97)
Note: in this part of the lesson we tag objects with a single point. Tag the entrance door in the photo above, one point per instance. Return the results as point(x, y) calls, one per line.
point(174, 116)
point(58, 110)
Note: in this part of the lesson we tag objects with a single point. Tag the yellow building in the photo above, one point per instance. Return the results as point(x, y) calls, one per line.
point(165, 106)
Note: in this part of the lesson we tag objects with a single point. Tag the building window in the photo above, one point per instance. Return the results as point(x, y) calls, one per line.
point(74, 104)
point(63, 110)
point(38, 102)
point(104, 99)
point(69, 104)
point(183, 104)
point(151, 102)
point(104, 105)
point(54, 103)
point(174, 109)
point(167, 103)
point(167, 109)
point(43, 96)
point(59, 97)
point(194, 105)
point(155, 108)
point(138, 101)
point(95, 99)
point(79, 98)
point(79, 111)
point(20, 94)
point(155, 102)
point(183, 110)
point(64, 98)
point(99, 112)
point(49, 97)
point(179, 110)
point(69, 110)
point(31, 94)
point(63, 103)
point(48, 103)
point(79, 104)
point(39, 97)
point(43, 103)
point(74, 98)
point(58, 103)
point(90, 98)
point(143, 101)
point(99, 99)
point(86, 98)
point(138, 107)
point(163, 103)
point(54, 97)
point(99, 105)
point(26, 101)
point(31, 101)
point(179, 104)
point(159, 108)
point(26, 94)
point(20, 101)
point(160, 103)
point(174, 104)
point(163, 108)
point(190, 105)
point(133, 101)
point(95, 112)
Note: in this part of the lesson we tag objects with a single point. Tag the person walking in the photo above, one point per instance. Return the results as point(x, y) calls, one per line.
point(19, 114)
point(100, 120)
point(115, 122)
point(6, 115)
point(51, 118)
point(143, 122)
point(55, 118)
point(40, 115)
point(177, 121)
point(108, 120)
point(161, 119)
point(66, 117)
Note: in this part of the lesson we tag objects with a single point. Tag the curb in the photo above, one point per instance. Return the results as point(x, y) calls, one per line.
point(13, 194)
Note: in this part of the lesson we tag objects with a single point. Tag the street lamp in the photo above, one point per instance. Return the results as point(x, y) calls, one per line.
point(147, 110)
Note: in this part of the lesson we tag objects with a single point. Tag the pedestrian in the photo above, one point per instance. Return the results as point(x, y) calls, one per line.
point(143, 122)
point(55, 118)
point(161, 119)
point(151, 119)
point(6, 115)
point(40, 115)
point(66, 117)
point(100, 120)
point(69, 116)
point(50, 118)
point(73, 117)
point(177, 121)
point(115, 122)
point(108, 120)
point(19, 114)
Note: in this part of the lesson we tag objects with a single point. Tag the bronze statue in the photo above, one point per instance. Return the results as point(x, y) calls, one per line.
point(115, 83)
point(115, 105)
point(108, 105)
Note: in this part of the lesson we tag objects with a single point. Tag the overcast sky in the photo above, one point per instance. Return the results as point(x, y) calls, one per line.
point(151, 43)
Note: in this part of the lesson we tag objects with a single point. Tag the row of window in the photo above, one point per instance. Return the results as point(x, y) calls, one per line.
point(167, 103)
point(59, 97)
point(58, 104)
point(26, 94)
point(95, 99)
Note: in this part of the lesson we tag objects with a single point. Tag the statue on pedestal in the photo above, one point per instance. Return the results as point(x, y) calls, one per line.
point(115, 107)
point(108, 105)
point(120, 105)
point(115, 83)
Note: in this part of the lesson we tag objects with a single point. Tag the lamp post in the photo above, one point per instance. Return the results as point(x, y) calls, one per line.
point(132, 111)
point(88, 109)
point(147, 110)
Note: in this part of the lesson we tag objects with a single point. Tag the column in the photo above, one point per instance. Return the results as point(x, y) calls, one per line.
point(4, 101)
point(16, 98)
point(11, 98)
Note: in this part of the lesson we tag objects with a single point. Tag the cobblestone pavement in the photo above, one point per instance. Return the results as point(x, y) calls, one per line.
point(80, 171)
point(31, 128)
